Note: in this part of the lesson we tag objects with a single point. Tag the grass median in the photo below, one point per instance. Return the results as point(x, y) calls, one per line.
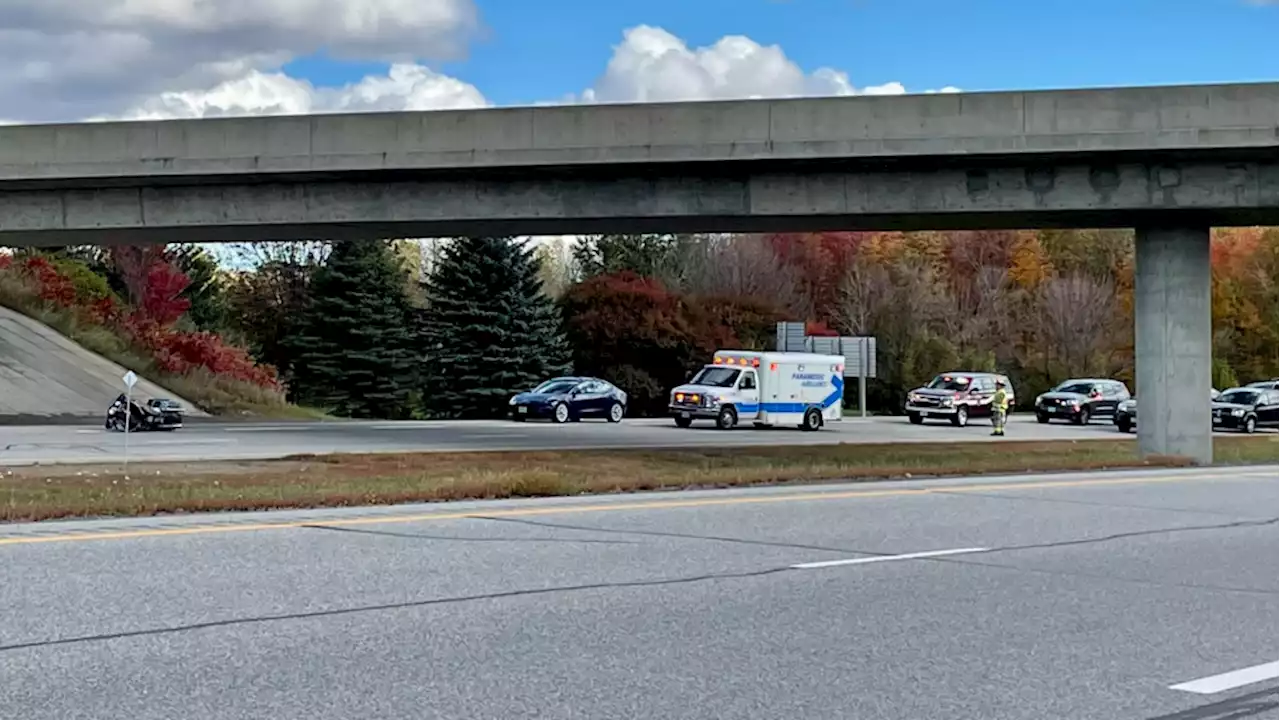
point(58, 491)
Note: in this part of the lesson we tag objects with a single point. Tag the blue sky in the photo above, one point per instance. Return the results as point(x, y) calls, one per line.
point(533, 51)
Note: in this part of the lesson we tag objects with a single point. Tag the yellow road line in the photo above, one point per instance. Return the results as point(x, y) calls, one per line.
point(612, 507)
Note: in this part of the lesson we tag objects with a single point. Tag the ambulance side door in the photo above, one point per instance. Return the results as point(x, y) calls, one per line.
point(748, 394)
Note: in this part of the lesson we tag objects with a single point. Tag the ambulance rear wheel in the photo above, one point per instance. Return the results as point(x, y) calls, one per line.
point(812, 420)
point(727, 418)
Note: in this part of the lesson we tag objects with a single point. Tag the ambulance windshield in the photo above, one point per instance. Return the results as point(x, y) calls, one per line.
point(716, 377)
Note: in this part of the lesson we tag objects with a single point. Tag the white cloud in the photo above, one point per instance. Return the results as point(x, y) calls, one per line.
point(74, 58)
point(152, 59)
point(404, 87)
point(652, 65)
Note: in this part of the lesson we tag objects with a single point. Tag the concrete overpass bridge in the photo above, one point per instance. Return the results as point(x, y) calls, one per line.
point(1169, 161)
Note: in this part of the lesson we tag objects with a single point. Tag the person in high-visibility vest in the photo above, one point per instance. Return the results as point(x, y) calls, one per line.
point(999, 408)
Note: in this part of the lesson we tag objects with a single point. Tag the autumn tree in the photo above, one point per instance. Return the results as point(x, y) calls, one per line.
point(1077, 325)
point(268, 294)
point(635, 333)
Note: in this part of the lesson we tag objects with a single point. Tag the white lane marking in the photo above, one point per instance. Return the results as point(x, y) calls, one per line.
point(887, 558)
point(495, 436)
point(1230, 680)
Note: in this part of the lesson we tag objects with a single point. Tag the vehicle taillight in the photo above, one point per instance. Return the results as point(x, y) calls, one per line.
point(959, 395)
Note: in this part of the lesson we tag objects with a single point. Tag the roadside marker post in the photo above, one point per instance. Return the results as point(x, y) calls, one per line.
point(130, 379)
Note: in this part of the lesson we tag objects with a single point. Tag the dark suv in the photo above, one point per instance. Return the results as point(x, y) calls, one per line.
point(1246, 409)
point(956, 396)
point(1081, 400)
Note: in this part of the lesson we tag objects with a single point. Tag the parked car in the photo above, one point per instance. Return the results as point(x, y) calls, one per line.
point(1246, 409)
point(1080, 400)
point(1126, 418)
point(566, 399)
point(956, 396)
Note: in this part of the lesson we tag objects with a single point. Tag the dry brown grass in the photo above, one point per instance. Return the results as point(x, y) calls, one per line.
point(35, 493)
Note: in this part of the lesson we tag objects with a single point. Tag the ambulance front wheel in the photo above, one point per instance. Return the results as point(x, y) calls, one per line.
point(812, 420)
point(726, 418)
point(683, 422)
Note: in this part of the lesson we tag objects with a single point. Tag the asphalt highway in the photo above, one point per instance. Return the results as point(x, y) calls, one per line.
point(1128, 596)
point(206, 441)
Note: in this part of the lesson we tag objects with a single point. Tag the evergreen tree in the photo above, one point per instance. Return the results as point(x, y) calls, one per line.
point(489, 330)
point(355, 345)
point(207, 289)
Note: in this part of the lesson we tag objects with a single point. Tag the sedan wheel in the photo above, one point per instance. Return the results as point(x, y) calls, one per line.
point(616, 412)
point(561, 413)
point(1250, 424)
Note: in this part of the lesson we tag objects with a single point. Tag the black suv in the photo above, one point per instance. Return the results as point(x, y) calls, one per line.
point(1081, 400)
point(956, 396)
point(1246, 409)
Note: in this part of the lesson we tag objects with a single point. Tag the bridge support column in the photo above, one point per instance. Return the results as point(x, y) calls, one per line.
point(1173, 342)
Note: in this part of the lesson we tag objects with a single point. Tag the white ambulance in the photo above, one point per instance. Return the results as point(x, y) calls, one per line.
point(763, 388)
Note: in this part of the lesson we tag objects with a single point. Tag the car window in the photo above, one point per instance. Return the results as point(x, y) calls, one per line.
point(1240, 397)
point(950, 382)
point(1081, 388)
point(748, 381)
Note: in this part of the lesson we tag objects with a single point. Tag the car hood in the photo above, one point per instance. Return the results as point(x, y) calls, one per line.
point(698, 389)
point(935, 392)
point(1065, 396)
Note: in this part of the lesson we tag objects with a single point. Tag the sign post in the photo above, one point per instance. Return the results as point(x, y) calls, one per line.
point(862, 375)
point(130, 379)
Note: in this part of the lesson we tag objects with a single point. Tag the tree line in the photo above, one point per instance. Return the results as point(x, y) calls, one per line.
point(451, 328)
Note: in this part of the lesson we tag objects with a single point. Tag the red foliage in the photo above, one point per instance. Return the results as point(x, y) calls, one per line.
point(103, 311)
point(181, 352)
point(134, 263)
point(819, 328)
point(52, 286)
point(150, 325)
point(162, 300)
point(822, 261)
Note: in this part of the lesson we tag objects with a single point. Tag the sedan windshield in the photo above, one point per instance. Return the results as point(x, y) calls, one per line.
point(716, 377)
point(555, 387)
point(1078, 388)
point(1239, 397)
point(949, 382)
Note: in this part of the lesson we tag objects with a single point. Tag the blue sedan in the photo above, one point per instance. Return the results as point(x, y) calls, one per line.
point(567, 399)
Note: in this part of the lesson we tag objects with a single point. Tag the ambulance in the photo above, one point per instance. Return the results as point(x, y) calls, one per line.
point(763, 388)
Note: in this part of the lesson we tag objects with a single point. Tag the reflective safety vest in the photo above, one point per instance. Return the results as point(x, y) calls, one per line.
point(1000, 401)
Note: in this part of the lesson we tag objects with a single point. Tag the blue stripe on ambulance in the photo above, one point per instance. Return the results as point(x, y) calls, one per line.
point(827, 402)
